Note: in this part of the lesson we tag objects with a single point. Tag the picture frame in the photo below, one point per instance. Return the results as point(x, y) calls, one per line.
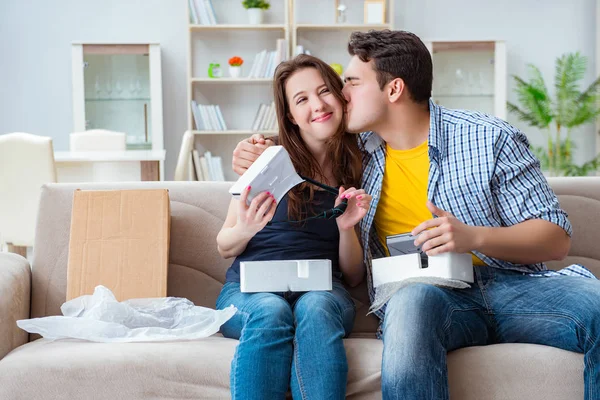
point(374, 11)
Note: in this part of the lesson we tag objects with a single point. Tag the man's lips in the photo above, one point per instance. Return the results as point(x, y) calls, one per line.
point(323, 118)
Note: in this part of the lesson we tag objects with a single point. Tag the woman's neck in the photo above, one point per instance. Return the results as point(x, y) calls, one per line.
point(319, 152)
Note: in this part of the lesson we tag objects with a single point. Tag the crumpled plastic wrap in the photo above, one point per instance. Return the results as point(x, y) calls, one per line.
point(384, 292)
point(101, 318)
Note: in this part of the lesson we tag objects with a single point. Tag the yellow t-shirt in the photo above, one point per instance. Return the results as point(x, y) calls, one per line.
point(402, 204)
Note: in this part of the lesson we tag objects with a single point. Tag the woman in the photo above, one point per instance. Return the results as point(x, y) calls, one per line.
point(295, 339)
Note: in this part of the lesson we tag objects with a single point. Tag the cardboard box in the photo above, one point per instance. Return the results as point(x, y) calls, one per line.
point(119, 239)
point(447, 265)
point(285, 275)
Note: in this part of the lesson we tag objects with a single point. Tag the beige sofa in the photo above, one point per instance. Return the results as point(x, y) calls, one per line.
point(69, 369)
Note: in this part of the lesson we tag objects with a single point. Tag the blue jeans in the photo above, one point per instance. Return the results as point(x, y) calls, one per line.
point(288, 339)
point(423, 322)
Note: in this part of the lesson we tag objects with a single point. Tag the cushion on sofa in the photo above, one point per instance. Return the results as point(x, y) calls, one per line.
point(72, 369)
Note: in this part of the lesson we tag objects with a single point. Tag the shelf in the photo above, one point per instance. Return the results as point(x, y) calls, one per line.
point(232, 80)
point(133, 99)
point(237, 27)
point(238, 132)
point(482, 95)
point(463, 46)
point(341, 26)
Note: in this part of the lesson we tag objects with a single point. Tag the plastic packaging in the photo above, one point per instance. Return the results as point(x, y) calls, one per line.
point(101, 318)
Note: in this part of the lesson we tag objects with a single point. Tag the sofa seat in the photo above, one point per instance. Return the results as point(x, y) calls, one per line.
point(74, 369)
point(68, 369)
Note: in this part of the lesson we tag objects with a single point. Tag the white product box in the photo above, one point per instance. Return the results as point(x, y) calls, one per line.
point(448, 266)
point(272, 171)
point(285, 275)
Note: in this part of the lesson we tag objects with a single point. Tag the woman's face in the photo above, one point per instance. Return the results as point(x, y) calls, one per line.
point(316, 111)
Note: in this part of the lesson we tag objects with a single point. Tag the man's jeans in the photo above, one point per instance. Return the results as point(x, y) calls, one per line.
point(288, 339)
point(423, 322)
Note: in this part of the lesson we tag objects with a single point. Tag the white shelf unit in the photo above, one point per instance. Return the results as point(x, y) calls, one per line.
point(238, 98)
point(233, 132)
point(315, 28)
point(470, 75)
point(307, 22)
point(196, 27)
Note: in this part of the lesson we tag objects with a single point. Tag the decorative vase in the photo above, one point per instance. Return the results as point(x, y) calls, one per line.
point(235, 71)
point(255, 16)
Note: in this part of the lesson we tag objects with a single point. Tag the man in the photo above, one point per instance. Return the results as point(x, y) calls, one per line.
point(474, 174)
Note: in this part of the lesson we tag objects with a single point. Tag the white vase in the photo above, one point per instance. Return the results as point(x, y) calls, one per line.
point(235, 71)
point(255, 16)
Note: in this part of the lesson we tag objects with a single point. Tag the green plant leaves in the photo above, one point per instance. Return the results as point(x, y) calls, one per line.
point(265, 5)
point(569, 108)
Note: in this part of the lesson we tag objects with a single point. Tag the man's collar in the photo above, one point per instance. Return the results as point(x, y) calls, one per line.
point(436, 138)
point(371, 140)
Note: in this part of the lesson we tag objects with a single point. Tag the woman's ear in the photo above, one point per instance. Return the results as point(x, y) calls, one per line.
point(292, 120)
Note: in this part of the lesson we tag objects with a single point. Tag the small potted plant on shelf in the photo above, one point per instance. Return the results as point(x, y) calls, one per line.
point(235, 66)
point(255, 10)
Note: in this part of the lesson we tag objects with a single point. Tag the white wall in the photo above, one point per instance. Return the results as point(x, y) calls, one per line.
point(35, 60)
point(35, 38)
point(535, 32)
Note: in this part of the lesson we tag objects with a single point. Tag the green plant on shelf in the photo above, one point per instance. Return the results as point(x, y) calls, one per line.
point(262, 4)
point(569, 109)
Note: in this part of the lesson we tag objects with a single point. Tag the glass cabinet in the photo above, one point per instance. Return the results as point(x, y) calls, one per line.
point(118, 87)
point(470, 75)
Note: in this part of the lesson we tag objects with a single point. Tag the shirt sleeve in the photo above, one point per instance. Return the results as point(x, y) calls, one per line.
point(521, 192)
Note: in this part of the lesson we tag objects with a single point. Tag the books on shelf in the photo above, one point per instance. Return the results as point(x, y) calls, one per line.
point(202, 12)
point(301, 50)
point(208, 117)
point(266, 118)
point(265, 61)
point(207, 167)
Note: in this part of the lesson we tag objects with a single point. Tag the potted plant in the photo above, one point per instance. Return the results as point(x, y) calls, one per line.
point(569, 108)
point(255, 10)
point(235, 66)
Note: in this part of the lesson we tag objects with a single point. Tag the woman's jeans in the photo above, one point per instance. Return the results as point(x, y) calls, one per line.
point(423, 322)
point(288, 340)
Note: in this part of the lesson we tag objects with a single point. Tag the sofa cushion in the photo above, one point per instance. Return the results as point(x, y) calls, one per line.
point(196, 270)
point(72, 369)
point(198, 209)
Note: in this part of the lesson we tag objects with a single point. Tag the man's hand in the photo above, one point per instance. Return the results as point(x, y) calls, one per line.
point(444, 234)
point(247, 151)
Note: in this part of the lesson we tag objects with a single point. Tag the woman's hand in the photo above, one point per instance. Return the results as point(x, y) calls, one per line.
point(358, 205)
point(252, 219)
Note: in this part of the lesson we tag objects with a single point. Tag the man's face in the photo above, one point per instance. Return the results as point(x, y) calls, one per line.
point(367, 104)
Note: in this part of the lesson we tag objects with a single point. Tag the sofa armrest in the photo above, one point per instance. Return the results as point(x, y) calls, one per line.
point(15, 292)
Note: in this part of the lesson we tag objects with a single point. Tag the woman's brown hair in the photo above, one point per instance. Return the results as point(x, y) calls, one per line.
point(343, 151)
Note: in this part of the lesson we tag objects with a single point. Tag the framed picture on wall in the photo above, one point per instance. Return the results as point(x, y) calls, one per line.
point(374, 11)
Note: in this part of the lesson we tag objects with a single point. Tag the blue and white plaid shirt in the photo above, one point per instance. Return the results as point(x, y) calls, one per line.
point(480, 170)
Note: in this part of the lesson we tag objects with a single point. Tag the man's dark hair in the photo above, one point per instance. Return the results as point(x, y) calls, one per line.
point(396, 54)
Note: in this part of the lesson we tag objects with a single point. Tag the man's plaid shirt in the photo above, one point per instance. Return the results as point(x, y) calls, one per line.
point(480, 169)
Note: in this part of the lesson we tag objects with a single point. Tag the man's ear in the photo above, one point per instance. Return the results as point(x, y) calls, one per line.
point(395, 88)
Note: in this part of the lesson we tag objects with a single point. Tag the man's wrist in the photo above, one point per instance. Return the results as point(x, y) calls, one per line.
point(480, 237)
